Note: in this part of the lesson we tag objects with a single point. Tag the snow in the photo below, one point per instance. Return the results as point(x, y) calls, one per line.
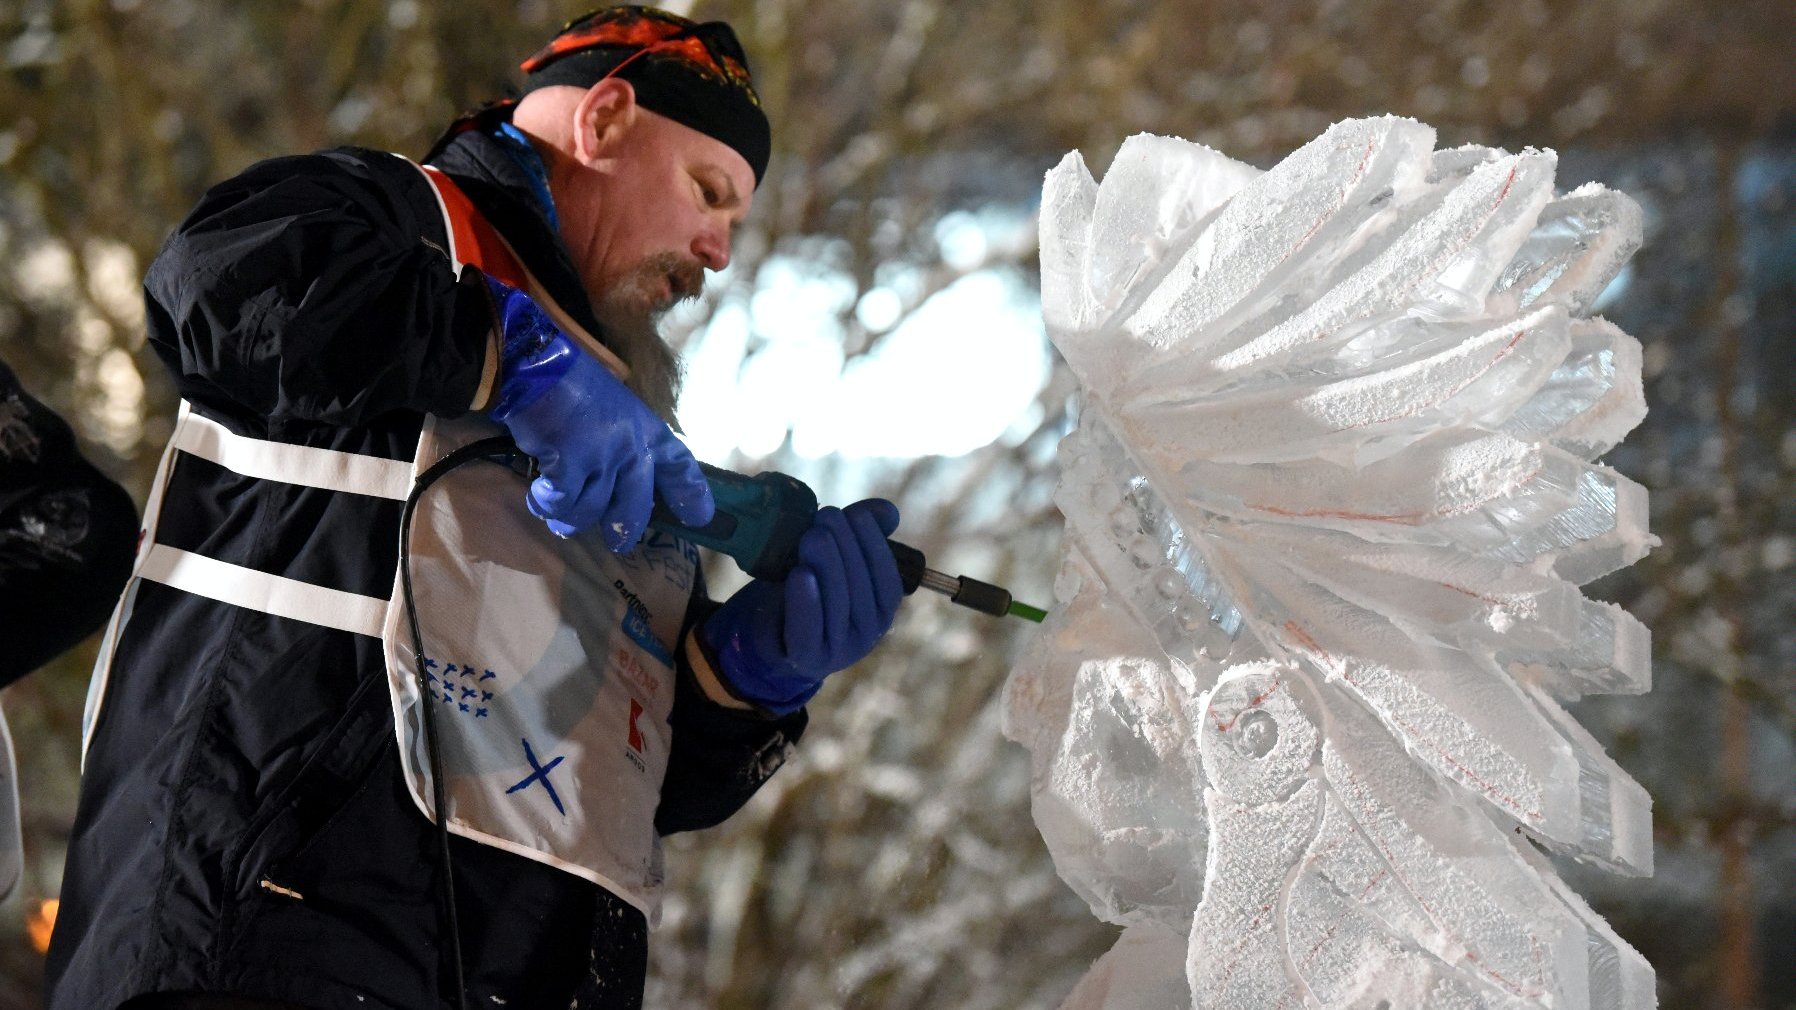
point(1296, 723)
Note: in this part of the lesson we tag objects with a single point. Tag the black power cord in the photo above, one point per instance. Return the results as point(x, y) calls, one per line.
point(499, 449)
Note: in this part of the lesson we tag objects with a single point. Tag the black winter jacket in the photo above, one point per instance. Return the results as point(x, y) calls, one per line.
point(242, 758)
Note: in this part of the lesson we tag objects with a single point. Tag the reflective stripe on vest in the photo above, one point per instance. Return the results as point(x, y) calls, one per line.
point(260, 591)
point(330, 469)
point(309, 466)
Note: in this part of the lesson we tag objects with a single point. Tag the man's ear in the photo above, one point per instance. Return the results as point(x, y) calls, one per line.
point(602, 119)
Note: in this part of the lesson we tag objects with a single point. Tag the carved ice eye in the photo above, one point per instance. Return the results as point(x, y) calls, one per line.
point(1258, 734)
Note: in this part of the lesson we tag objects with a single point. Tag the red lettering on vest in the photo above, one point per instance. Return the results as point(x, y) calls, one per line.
point(636, 742)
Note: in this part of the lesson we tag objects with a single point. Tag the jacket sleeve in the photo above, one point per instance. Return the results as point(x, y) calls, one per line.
point(67, 534)
point(318, 288)
point(720, 756)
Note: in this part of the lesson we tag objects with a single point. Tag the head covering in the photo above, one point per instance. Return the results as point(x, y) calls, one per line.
point(692, 73)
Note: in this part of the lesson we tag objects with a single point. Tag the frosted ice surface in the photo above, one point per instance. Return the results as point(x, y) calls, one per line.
point(1296, 722)
point(1127, 834)
point(1304, 210)
point(1143, 971)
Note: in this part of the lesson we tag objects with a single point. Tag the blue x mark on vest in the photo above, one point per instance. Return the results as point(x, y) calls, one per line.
point(539, 774)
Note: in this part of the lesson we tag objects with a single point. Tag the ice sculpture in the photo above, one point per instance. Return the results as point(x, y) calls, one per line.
point(1296, 722)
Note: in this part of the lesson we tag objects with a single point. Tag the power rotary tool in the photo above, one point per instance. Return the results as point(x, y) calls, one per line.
point(760, 518)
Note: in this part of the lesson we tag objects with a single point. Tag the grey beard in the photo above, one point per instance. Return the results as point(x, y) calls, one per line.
point(632, 320)
point(655, 372)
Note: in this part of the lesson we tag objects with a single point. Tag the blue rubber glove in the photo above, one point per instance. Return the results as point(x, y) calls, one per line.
point(603, 453)
point(776, 639)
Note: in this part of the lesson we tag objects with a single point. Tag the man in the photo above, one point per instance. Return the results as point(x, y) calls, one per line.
point(66, 535)
point(271, 737)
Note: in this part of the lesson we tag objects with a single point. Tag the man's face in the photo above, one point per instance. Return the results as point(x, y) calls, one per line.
point(645, 230)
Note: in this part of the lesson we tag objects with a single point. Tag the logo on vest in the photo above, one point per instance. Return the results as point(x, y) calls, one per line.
point(629, 670)
point(464, 688)
point(635, 739)
point(674, 558)
point(636, 625)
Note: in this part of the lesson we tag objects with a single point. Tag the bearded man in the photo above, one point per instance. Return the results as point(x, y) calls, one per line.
point(290, 691)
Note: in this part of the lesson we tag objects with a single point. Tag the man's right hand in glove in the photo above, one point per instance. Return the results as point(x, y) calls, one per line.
point(603, 453)
point(777, 639)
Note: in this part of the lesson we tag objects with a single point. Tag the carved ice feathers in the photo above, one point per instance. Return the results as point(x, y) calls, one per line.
point(1331, 495)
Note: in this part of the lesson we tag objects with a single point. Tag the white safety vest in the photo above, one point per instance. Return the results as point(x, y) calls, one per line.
point(548, 662)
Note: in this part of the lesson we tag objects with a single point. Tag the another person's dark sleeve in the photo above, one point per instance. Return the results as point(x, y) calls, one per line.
point(720, 756)
point(318, 288)
point(67, 535)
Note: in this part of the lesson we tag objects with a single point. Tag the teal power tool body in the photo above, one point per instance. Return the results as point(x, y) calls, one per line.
point(760, 518)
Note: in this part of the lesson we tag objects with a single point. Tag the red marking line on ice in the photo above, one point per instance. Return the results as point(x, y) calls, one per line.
point(1496, 794)
point(1492, 600)
point(1433, 269)
point(1359, 172)
point(1518, 807)
point(1419, 407)
point(1514, 805)
point(1252, 703)
point(1317, 949)
point(1285, 999)
point(1406, 518)
point(1534, 949)
point(1235, 957)
point(1314, 647)
point(1370, 815)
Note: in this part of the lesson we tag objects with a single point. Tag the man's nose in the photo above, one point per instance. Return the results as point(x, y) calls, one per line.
point(712, 248)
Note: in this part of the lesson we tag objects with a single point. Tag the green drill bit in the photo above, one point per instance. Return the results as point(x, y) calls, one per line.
point(1023, 610)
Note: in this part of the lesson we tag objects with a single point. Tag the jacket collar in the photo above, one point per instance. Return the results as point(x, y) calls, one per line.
point(506, 196)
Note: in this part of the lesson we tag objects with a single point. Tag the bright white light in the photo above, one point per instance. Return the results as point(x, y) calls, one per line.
point(793, 296)
point(737, 401)
point(949, 380)
point(879, 309)
point(783, 386)
point(713, 360)
point(956, 374)
point(114, 281)
point(962, 240)
point(119, 411)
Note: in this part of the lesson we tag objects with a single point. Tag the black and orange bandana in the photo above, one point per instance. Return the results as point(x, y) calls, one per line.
point(693, 73)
